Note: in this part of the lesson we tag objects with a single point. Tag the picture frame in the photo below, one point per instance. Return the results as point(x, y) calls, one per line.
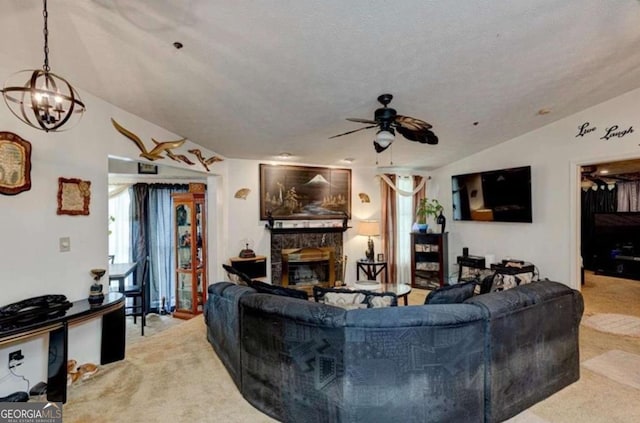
point(15, 164)
point(380, 257)
point(290, 192)
point(74, 196)
point(147, 169)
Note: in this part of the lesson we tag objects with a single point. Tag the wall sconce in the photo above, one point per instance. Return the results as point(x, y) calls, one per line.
point(242, 193)
point(364, 197)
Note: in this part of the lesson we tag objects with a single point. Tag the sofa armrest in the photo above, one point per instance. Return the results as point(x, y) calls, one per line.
point(532, 345)
point(223, 324)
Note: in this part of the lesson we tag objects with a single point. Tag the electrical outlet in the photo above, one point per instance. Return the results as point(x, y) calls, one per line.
point(15, 358)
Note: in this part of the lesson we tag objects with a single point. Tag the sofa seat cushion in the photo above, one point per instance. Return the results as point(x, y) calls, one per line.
point(451, 294)
point(265, 288)
point(351, 299)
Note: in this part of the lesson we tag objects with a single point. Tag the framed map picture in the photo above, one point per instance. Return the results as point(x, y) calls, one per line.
point(302, 192)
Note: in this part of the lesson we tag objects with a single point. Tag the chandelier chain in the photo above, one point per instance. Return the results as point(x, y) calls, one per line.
point(45, 31)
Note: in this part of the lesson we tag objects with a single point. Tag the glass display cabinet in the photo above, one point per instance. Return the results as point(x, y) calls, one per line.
point(191, 254)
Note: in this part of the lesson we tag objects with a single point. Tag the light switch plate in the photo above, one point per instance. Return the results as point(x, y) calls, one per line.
point(65, 244)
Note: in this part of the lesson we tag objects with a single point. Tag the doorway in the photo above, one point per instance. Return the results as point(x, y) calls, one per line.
point(609, 233)
point(143, 225)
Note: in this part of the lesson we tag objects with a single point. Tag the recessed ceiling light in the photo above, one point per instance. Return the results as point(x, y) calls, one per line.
point(178, 45)
point(349, 160)
point(604, 171)
point(544, 111)
point(475, 123)
point(284, 155)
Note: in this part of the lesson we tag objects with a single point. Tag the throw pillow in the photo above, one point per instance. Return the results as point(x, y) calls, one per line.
point(382, 299)
point(353, 298)
point(451, 294)
point(266, 288)
point(346, 300)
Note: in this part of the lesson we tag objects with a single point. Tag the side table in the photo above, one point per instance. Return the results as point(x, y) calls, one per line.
point(372, 269)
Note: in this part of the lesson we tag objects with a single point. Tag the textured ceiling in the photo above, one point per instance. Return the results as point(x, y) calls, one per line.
point(256, 78)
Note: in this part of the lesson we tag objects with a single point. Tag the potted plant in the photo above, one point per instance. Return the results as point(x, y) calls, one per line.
point(425, 209)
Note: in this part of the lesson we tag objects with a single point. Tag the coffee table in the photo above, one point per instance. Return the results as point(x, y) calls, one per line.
point(401, 290)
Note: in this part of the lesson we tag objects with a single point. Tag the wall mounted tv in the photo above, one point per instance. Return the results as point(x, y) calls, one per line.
point(502, 195)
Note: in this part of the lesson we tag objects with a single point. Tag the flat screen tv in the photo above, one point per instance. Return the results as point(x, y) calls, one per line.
point(502, 195)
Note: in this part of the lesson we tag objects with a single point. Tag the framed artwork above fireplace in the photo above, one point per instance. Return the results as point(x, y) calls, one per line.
point(304, 193)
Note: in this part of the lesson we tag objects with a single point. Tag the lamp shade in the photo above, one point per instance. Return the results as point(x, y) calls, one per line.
point(369, 228)
point(384, 138)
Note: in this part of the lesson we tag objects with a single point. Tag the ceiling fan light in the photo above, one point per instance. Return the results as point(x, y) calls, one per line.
point(384, 138)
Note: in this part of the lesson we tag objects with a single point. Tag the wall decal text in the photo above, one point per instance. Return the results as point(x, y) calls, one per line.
point(614, 131)
point(584, 129)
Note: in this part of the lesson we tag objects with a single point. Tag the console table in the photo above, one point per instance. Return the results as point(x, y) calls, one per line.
point(112, 343)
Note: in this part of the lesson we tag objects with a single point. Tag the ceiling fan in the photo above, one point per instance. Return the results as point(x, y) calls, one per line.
point(389, 121)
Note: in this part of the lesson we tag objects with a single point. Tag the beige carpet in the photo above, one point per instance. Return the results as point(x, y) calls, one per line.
point(174, 375)
point(619, 324)
point(621, 366)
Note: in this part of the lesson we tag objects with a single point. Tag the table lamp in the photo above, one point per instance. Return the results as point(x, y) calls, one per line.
point(369, 228)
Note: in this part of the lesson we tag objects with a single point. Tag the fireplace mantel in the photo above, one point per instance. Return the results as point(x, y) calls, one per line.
point(308, 230)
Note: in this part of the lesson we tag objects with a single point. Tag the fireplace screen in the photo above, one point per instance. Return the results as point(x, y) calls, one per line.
point(304, 268)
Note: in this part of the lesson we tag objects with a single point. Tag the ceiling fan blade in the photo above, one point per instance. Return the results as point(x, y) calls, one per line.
point(351, 132)
point(415, 130)
point(424, 137)
point(379, 148)
point(411, 123)
point(362, 120)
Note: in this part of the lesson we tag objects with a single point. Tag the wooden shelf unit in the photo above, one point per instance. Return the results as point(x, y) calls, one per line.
point(429, 260)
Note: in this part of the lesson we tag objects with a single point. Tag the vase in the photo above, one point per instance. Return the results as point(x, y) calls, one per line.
point(422, 227)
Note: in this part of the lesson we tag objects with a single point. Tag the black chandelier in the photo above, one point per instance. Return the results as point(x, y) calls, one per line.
point(46, 101)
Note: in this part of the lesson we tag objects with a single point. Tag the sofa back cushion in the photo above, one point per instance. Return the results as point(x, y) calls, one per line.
point(265, 288)
point(451, 294)
point(354, 299)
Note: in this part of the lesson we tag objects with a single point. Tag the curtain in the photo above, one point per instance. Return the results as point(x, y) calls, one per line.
point(601, 200)
point(405, 217)
point(388, 223)
point(628, 196)
point(152, 235)
point(161, 242)
point(395, 210)
point(420, 191)
point(139, 221)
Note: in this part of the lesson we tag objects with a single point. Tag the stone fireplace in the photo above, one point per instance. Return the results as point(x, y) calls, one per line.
point(304, 238)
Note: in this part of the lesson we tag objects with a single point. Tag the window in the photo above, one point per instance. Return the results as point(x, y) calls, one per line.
point(119, 225)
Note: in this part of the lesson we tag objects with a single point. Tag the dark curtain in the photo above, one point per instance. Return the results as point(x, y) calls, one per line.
point(145, 231)
point(602, 200)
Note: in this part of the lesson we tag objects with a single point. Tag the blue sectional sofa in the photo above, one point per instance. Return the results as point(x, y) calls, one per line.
point(483, 360)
